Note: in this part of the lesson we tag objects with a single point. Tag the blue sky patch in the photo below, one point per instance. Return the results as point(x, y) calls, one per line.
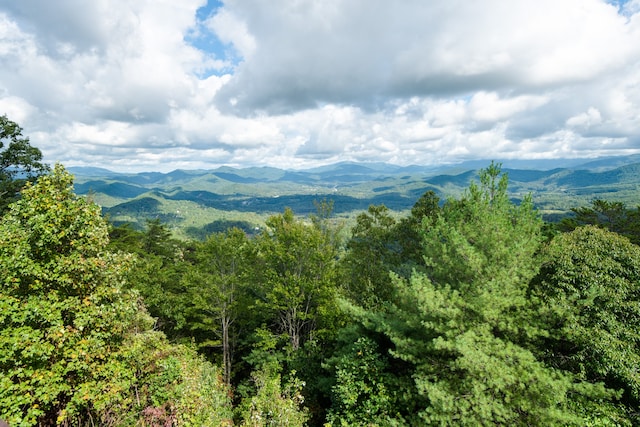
point(202, 38)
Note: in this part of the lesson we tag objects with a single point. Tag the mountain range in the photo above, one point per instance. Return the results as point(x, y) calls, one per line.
point(191, 199)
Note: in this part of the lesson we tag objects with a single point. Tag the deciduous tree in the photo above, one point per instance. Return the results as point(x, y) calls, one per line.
point(75, 346)
point(589, 288)
point(19, 161)
point(216, 287)
point(372, 251)
point(298, 288)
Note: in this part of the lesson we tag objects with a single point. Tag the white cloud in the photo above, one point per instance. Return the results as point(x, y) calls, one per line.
point(119, 84)
point(232, 31)
point(351, 52)
point(589, 118)
point(16, 109)
point(487, 106)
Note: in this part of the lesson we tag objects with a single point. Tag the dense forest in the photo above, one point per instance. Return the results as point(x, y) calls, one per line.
point(466, 311)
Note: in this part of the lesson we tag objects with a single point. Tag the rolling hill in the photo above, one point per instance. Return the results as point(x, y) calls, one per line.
point(195, 199)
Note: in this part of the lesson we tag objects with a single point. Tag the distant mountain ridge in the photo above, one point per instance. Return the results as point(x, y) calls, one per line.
point(181, 196)
point(600, 164)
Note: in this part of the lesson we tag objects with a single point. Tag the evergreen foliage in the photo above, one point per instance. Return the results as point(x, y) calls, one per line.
point(613, 216)
point(466, 325)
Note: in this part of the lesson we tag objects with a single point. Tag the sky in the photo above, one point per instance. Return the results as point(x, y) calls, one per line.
point(159, 85)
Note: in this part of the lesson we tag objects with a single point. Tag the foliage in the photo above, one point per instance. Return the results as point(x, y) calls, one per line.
point(63, 309)
point(157, 240)
point(160, 264)
point(298, 288)
point(589, 287)
point(372, 252)
point(74, 345)
point(218, 292)
point(465, 324)
point(409, 230)
point(220, 226)
point(216, 288)
point(613, 216)
point(459, 313)
point(19, 161)
point(380, 244)
point(172, 385)
point(295, 308)
point(364, 392)
point(274, 404)
point(484, 238)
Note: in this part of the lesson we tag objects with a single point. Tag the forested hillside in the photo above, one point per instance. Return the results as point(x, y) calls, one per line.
point(192, 203)
point(465, 311)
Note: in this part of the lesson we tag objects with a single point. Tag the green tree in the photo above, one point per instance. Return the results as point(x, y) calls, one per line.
point(168, 385)
point(62, 308)
point(160, 264)
point(372, 251)
point(124, 238)
point(465, 324)
point(298, 289)
point(19, 162)
point(364, 393)
point(216, 287)
point(379, 244)
point(409, 230)
point(157, 240)
point(589, 286)
point(613, 216)
point(323, 220)
point(274, 403)
point(75, 346)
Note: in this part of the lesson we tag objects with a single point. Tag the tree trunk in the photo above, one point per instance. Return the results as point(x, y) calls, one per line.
point(226, 349)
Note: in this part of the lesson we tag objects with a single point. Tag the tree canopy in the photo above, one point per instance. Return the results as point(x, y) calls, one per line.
point(464, 330)
point(74, 344)
point(462, 312)
point(589, 289)
point(19, 161)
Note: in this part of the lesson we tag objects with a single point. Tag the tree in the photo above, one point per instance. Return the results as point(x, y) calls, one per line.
point(372, 252)
point(75, 346)
point(465, 323)
point(215, 286)
point(19, 161)
point(274, 403)
point(62, 310)
point(298, 286)
point(380, 244)
point(364, 390)
point(160, 264)
point(157, 240)
point(423, 215)
point(589, 288)
point(483, 243)
point(613, 216)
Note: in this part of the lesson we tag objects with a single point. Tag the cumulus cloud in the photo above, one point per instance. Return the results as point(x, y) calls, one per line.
point(66, 26)
point(309, 53)
point(133, 85)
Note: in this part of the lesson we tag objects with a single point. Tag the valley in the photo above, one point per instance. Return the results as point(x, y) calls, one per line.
point(196, 202)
